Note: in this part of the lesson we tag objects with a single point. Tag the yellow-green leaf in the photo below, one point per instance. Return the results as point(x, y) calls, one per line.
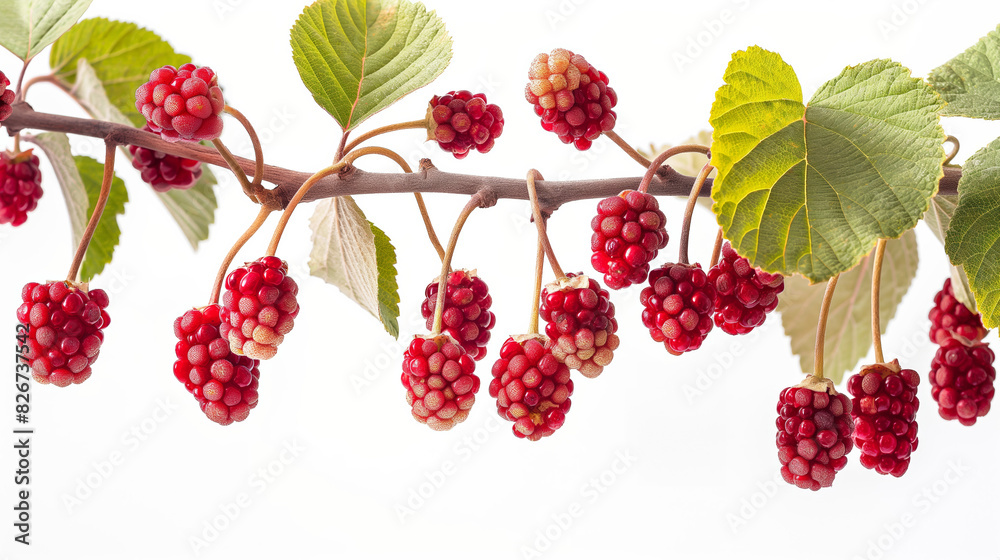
point(809, 188)
point(848, 327)
point(973, 240)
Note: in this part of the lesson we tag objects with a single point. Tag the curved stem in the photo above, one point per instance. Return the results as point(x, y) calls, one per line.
point(824, 312)
point(18, 92)
point(258, 152)
point(422, 123)
point(272, 248)
point(543, 236)
point(95, 218)
point(539, 267)
point(431, 234)
point(250, 232)
point(632, 153)
point(235, 167)
point(51, 78)
point(378, 150)
point(717, 249)
point(954, 151)
point(682, 256)
point(667, 154)
point(876, 284)
point(475, 201)
point(340, 146)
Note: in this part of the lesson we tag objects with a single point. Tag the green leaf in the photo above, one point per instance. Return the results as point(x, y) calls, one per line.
point(970, 82)
point(57, 151)
point(938, 219)
point(388, 289)
point(122, 55)
point(28, 26)
point(358, 57)
point(106, 236)
point(809, 189)
point(356, 257)
point(848, 328)
point(973, 239)
point(193, 209)
point(90, 92)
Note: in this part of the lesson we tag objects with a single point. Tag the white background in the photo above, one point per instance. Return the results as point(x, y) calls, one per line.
point(661, 456)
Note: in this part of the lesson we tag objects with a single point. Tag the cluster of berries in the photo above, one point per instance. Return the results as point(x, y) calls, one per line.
point(962, 372)
point(571, 96)
point(460, 121)
point(66, 329)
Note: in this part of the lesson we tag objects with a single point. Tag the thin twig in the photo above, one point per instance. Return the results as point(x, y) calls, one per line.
point(475, 201)
point(536, 296)
point(241, 176)
point(422, 123)
point(689, 212)
point(664, 156)
point(279, 229)
point(954, 150)
point(250, 232)
point(95, 217)
point(543, 236)
point(876, 285)
point(632, 153)
point(716, 249)
point(824, 312)
point(258, 152)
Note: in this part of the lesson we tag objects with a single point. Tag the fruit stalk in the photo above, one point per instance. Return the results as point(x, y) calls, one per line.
point(422, 123)
point(287, 214)
point(481, 199)
point(431, 234)
point(716, 249)
point(95, 218)
point(258, 152)
point(664, 156)
point(876, 284)
point(543, 236)
point(632, 153)
point(250, 232)
point(824, 312)
point(682, 256)
point(539, 268)
point(241, 176)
